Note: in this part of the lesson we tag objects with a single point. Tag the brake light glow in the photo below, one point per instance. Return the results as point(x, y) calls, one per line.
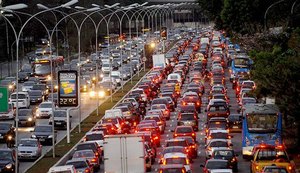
point(87, 170)
point(193, 134)
point(290, 167)
point(94, 160)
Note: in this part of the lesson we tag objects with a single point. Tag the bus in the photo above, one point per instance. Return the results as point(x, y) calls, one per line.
point(240, 64)
point(42, 67)
point(262, 123)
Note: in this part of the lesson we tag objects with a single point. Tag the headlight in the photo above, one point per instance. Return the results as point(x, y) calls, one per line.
point(84, 87)
point(101, 94)
point(92, 94)
point(56, 87)
point(34, 152)
point(10, 86)
point(29, 119)
point(94, 78)
point(8, 166)
point(49, 77)
point(9, 137)
point(101, 75)
point(33, 136)
point(50, 136)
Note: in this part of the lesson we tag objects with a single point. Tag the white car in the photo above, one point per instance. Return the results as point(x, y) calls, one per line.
point(44, 110)
point(216, 144)
point(9, 115)
point(23, 99)
point(107, 78)
point(218, 134)
point(96, 136)
point(117, 76)
point(29, 148)
point(106, 67)
point(177, 158)
point(133, 101)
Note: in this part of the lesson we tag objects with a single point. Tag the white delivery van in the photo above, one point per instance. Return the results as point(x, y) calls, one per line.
point(174, 76)
point(124, 153)
point(23, 99)
point(112, 113)
point(62, 169)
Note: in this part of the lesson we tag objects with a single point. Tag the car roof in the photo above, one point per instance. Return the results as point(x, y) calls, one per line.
point(94, 132)
point(176, 154)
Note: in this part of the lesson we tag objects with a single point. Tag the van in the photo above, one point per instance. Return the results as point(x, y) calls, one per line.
point(23, 99)
point(111, 113)
point(174, 76)
point(62, 169)
point(204, 40)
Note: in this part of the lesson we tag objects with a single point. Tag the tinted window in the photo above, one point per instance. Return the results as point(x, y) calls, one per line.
point(184, 130)
point(93, 137)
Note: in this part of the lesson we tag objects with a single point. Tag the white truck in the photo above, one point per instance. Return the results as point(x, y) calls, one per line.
point(124, 154)
point(159, 60)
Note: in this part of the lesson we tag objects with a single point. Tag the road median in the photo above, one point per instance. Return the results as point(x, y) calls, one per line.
point(62, 148)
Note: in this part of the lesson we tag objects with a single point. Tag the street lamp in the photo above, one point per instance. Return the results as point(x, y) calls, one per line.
point(265, 16)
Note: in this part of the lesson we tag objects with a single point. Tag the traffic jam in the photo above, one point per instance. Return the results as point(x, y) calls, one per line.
point(197, 113)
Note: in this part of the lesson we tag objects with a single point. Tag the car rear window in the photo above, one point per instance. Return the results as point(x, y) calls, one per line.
point(176, 161)
point(93, 137)
point(184, 130)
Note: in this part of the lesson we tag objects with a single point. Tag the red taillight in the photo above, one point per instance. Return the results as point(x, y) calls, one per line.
point(198, 103)
point(87, 170)
point(94, 160)
point(175, 135)
point(193, 134)
point(156, 138)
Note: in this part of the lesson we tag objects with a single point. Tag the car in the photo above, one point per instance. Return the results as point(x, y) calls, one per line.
point(162, 107)
point(89, 155)
point(7, 84)
point(175, 168)
point(23, 99)
point(26, 117)
point(188, 119)
point(81, 165)
point(177, 158)
point(23, 76)
point(184, 131)
point(216, 164)
point(174, 149)
point(7, 160)
point(60, 119)
point(29, 148)
point(9, 114)
point(44, 133)
point(90, 145)
point(96, 136)
point(45, 109)
point(27, 86)
point(36, 96)
point(216, 144)
point(218, 134)
point(7, 131)
point(235, 122)
point(193, 151)
point(226, 154)
point(41, 87)
point(269, 155)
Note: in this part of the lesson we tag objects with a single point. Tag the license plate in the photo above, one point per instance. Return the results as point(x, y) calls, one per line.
point(41, 139)
point(190, 103)
point(235, 127)
point(59, 123)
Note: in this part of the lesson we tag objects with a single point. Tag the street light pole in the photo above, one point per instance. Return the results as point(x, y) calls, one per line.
point(265, 16)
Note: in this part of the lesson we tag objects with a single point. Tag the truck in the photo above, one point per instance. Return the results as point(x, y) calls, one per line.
point(159, 60)
point(124, 154)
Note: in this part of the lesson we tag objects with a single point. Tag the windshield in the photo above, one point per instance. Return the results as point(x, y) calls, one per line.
point(5, 155)
point(43, 129)
point(176, 143)
point(78, 164)
point(216, 165)
point(219, 135)
point(218, 144)
point(28, 143)
point(28, 83)
point(4, 126)
point(35, 93)
point(241, 62)
point(217, 124)
point(174, 149)
point(42, 69)
point(262, 123)
point(20, 96)
point(158, 106)
point(24, 112)
point(217, 108)
point(271, 154)
point(93, 137)
point(80, 154)
point(221, 154)
point(45, 105)
point(60, 114)
point(187, 117)
point(38, 87)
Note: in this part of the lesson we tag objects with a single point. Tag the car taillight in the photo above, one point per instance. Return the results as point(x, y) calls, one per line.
point(198, 103)
point(94, 160)
point(87, 170)
point(193, 134)
point(156, 138)
point(182, 170)
point(290, 167)
point(97, 154)
point(209, 137)
point(187, 161)
point(175, 134)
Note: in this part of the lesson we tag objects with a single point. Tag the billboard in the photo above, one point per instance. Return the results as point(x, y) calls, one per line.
point(67, 88)
point(3, 99)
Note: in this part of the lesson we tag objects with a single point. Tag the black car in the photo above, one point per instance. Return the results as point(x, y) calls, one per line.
point(41, 87)
point(7, 160)
point(53, 96)
point(26, 117)
point(36, 96)
point(6, 130)
point(226, 154)
point(23, 76)
point(44, 134)
point(235, 122)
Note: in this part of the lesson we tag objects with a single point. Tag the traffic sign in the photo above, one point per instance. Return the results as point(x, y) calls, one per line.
point(3, 99)
point(68, 88)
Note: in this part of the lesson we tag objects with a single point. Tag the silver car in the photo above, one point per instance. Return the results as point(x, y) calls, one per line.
point(29, 148)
